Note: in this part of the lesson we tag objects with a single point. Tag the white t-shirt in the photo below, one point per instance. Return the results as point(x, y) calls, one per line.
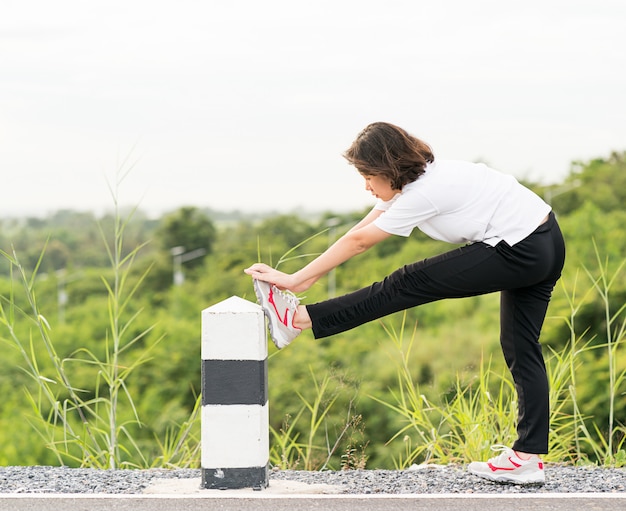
point(463, 202)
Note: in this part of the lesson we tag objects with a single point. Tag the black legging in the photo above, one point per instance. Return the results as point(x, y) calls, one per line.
point(525, 273)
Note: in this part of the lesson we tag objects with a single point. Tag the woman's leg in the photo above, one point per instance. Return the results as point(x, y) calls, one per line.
point(522, 313)
point(455, 274)
point(521, 316)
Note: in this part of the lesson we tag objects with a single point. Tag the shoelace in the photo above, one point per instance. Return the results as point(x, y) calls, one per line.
point(287, 295)
point(504, 451)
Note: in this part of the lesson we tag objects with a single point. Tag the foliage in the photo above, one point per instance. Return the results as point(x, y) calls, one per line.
point(335, 403)
point(602, 182)
point(187, 230)
point(480, 412)
point(316, 450)
point(83, 424)
point(72, 239)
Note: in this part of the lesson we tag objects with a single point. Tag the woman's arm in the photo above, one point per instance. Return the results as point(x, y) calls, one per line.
point(370, 239)
point(356, 241)
point(367, 219)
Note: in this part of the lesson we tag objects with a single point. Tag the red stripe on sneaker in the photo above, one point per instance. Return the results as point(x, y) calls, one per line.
point(270, 299)
point(494, 468)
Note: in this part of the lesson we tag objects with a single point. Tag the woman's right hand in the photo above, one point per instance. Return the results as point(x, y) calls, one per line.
point(266, 273)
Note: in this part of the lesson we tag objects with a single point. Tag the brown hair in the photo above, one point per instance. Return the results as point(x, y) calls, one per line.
point(383, 149)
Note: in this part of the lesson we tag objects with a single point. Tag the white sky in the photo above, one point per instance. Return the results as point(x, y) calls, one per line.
point(248, 104)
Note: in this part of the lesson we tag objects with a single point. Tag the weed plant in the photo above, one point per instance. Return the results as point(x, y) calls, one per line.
point(322, 441)
point(92, 427)
point(482, 412)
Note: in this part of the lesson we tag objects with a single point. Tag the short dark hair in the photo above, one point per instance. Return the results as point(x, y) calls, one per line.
point(383, 149)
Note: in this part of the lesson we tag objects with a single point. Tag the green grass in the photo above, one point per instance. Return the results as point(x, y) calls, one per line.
point(481, 411)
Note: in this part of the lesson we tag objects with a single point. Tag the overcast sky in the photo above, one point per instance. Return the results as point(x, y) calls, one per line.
point(248, 104)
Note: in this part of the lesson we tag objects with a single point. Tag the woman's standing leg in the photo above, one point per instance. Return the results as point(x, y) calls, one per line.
point(522, 312)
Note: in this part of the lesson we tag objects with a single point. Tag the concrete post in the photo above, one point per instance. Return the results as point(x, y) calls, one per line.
point(235, 414)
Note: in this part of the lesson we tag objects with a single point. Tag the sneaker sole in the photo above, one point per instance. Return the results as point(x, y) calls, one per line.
point(504, 479)
point(268, 315)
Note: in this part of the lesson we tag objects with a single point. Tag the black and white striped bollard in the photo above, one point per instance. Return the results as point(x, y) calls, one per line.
point(235, 409)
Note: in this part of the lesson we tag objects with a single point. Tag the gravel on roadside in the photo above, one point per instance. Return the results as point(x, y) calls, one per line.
point(432, 479)
point(429, 479)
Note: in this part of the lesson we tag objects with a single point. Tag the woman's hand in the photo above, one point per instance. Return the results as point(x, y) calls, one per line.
point(261, 271)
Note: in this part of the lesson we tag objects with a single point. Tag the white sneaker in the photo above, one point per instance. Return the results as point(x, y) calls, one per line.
point(280, 309)
point(508, 467)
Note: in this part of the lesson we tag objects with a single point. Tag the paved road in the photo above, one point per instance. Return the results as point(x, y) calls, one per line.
point(246, 502)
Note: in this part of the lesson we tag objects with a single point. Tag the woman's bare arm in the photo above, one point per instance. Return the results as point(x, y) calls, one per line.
point(357, 240)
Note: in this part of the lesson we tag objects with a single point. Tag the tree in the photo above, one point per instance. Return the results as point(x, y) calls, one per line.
point(189, 228)
point(600, 181)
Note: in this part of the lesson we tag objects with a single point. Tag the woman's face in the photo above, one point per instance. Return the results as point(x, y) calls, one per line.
point(380, 187)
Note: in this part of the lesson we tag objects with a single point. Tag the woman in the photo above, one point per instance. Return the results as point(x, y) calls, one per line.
point(513, 245)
